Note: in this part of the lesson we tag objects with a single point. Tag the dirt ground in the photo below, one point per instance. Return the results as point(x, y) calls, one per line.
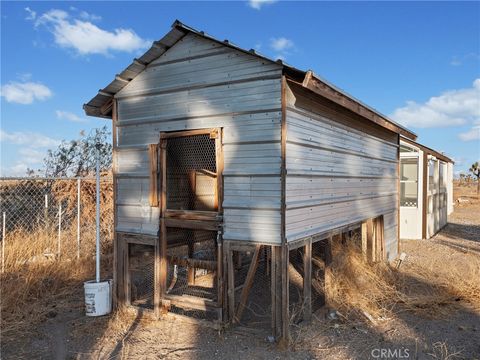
point(446, 330)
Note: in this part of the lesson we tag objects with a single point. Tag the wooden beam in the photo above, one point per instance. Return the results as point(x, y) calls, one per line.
point(380, 248)
point(107, 107)
point(141, 239)
point(104, 93)
point(370, 240)
point(307, 281)
point(116, 270)
point(364, 240)
point(177, 134)
point(157, 275)
point(328, 269)
point(231, 284)
point(192, 224)
point(248, 283)
point(424, 195)
point(192, 263)
point(192, 302)
point(285, 313)
point(219, 166)
point(193, 215)
point(283, 167)
point(139, 63)
point(220, 276)
point(276, 291)
point(153, 157)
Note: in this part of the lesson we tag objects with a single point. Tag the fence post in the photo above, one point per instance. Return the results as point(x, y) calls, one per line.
point(3, 243)
point(78, 217)
point(59, 230)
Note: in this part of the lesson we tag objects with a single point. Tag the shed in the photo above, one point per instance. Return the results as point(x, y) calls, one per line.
point(426, 190)
point(233, 174)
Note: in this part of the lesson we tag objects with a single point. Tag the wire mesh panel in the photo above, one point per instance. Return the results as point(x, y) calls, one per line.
point(56, 216)
point(192, 263)
point(318, 275)
point(191, 173)
point(295, 286)
point(141, 273)
point(252, 278)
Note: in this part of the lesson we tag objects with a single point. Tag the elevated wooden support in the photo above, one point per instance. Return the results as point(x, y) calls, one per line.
point(307, 281)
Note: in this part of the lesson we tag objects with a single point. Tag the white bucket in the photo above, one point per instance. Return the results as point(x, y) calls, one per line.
point(98, 297)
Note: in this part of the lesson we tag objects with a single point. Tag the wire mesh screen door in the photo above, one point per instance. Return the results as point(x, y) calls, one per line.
point(191, 187)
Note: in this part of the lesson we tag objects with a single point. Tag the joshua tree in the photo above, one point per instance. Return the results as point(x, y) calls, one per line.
point(475, 170)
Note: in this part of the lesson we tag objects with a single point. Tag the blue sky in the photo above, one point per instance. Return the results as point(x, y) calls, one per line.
point(416, 62)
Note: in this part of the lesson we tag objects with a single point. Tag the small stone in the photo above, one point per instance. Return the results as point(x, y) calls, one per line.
point(270, 339)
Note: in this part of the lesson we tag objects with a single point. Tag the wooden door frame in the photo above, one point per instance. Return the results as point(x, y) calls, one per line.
point(204, 220)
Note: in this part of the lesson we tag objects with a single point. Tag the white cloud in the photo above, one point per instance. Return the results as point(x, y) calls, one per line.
point(32, 156)
point(455, 61)
point(33, 140)
point(86, 38)
point(460, 60)
point(27, 158)
point(257, 4)
point(89, 17)
point(281, 44)
point(65, 115)
point(25, 92)
point(472, 134)
point(452, 108)
point(31, 14)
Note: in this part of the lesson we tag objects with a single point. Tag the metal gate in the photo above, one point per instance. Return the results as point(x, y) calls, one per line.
point(190, 271)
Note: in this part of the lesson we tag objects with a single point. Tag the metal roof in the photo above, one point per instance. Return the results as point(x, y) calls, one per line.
point(100, 104)
point(428, 150)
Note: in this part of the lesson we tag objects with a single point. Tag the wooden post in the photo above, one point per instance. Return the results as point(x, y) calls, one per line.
point(191, 269)
point(157, 292)
point(231, 284)
point(116, 269)
point(276, 291)
point(370, 240)
point(380, 247)
point(307, 281)
point(219, 275)
point(328, 269)
point(285, 262)
point(364, 240)
point(126, 272)
point(225, 275)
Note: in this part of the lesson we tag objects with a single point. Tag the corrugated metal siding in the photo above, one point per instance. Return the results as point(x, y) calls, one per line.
point(201, 84)
point(337, 175)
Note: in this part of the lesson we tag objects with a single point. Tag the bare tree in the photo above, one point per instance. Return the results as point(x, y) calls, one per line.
point(78, 157)
point(475, 170)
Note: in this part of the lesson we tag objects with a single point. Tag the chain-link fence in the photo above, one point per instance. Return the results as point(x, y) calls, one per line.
point(52, 218)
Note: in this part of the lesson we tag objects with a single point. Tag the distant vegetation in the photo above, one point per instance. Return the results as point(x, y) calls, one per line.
point(78, 157)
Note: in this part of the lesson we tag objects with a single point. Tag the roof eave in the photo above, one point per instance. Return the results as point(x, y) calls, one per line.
point(428, 150)
point(332, 93)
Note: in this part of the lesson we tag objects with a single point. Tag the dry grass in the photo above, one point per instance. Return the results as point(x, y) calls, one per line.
point(379, 290)
point(37, 282)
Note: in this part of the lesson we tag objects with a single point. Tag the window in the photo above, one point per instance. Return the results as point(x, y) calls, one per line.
point(407, 149)
point(442, 179)
point(409, 182)
point(431, 174)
